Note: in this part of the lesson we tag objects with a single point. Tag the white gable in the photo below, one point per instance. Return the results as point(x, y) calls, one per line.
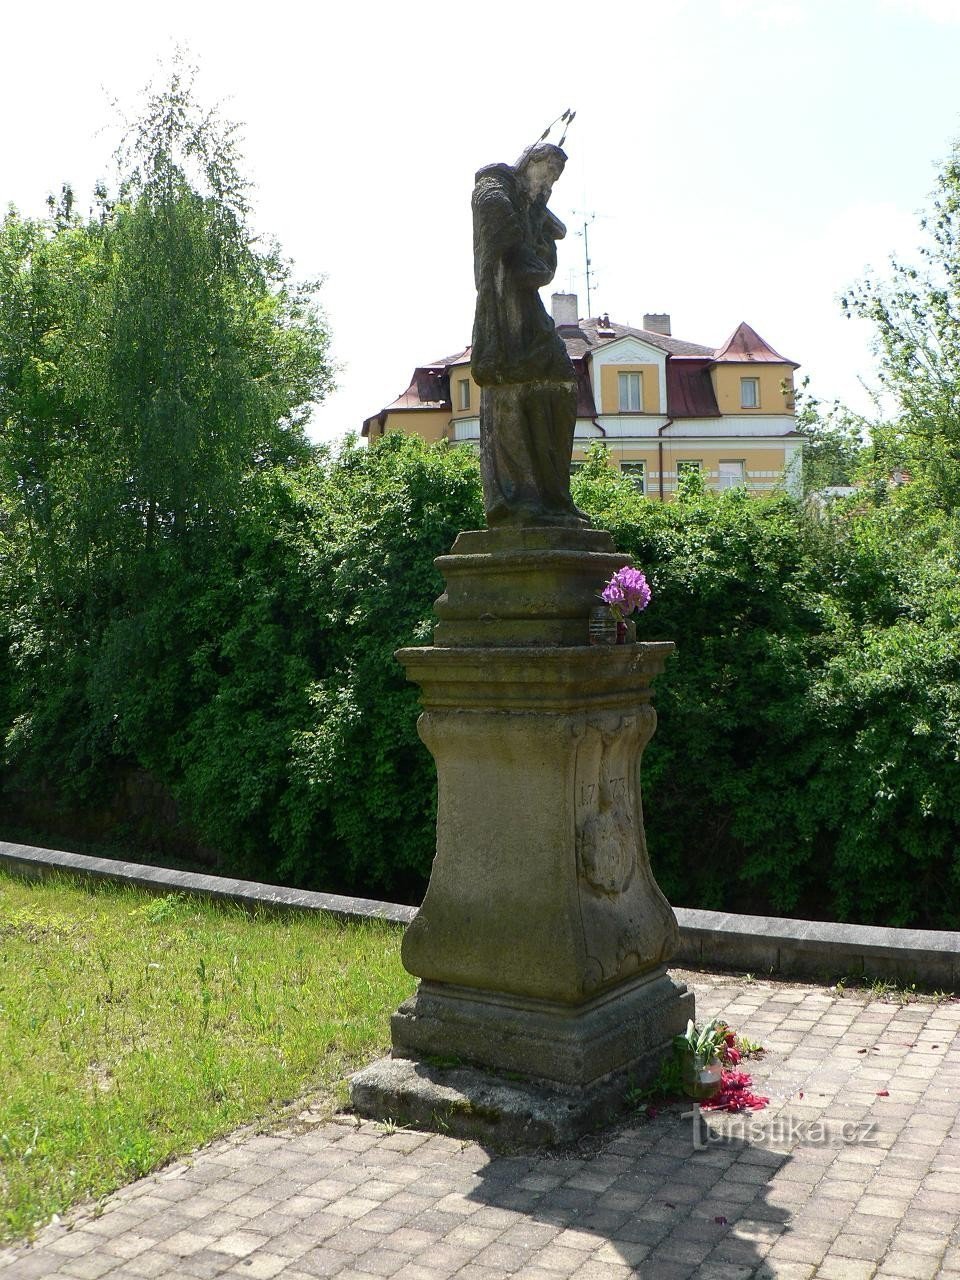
point(628, 350)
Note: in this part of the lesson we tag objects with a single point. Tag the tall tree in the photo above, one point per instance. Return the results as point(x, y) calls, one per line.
point(916, 317)
point(154, 354)
point(833, 441)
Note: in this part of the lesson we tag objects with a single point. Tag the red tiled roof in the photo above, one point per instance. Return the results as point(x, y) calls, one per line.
point(690, 388)
point(462, 357)
point(745, 346)
point(612, 331)
point(690, 391)
point(430, 389)
point(585, 405)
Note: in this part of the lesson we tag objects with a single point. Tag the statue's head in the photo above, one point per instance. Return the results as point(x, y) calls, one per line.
point(539, 167)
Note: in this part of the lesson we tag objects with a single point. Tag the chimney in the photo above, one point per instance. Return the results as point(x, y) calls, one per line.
point(657, 323)
point(564, 308)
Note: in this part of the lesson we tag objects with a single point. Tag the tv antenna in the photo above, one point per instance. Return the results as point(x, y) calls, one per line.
point(588, 218)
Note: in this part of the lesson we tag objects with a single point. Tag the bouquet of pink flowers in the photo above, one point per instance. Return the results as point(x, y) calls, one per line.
point(626, 591)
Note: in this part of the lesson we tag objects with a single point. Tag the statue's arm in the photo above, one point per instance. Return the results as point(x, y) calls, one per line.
point(497, 220)
point(553, 227)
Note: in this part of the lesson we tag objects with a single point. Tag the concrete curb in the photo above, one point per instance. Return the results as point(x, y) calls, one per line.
point(819, 949)
point(762, 945)
point(24, 860)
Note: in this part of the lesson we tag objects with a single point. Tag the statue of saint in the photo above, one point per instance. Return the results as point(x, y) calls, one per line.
point(528, 401)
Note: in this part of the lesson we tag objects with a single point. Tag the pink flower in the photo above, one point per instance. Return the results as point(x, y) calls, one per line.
point(626, 591)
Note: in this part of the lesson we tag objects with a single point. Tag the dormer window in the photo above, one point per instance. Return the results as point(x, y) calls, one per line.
point(749, 393)
point(463, 393)
point(631, 392)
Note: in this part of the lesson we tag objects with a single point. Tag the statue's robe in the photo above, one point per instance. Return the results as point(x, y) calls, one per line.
point(528, 404)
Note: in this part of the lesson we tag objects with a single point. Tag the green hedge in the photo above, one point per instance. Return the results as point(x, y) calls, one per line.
point(806, 757)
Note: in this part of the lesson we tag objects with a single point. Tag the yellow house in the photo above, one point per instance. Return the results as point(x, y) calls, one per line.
point(661, 405)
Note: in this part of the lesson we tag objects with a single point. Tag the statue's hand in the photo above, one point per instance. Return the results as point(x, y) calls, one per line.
point(530, 268)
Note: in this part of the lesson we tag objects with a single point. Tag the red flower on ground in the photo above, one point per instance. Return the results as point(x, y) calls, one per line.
point(734, 1094)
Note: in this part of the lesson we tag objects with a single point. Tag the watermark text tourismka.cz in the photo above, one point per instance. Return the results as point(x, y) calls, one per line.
point(780, 1131)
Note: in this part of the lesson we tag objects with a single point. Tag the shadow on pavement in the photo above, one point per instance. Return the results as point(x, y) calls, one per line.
point(641, 1196)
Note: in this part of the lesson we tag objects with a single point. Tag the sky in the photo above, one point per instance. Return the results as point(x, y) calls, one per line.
point(734, 159)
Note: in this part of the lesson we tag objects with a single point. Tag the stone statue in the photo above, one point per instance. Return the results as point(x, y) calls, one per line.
point(528, 402)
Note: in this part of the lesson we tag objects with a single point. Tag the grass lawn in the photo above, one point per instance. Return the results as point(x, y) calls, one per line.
point(133, 1028)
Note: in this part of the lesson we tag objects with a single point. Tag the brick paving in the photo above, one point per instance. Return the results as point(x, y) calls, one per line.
point(852, 1172)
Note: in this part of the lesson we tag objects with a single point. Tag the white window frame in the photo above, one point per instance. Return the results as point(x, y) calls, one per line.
point(688, 464)
point(754, 384)
point(725, 482)
point(463, 394)
point(636, 471)
point(630, 380)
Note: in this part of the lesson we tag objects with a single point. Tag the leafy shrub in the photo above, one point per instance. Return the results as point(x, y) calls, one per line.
point(805, 760)
point(806, 757)
point(256, 678)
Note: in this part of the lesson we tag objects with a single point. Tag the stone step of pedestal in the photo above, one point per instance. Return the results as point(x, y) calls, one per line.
point(503, 1113)
point(517, 586)
point(570, 1046)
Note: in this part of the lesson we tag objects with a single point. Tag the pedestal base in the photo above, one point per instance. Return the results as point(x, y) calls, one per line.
point(429, 1092)
point(564, 1046)
point(565, 1071)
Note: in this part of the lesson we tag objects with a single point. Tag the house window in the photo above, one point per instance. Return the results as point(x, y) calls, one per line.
point(688, 465)
point(731, 474)
point(631, 392)
point(636, 472)
point(749, 393)
point(463, 390)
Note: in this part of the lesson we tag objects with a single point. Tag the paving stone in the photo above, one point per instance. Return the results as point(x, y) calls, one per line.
point(914, 1266)
point(240, 1243)
point(381, 1262)
point(200, 1266)
point(845, 1269)
point(352, 1206)
point(90, 1266)
point(863, 1248)
point(560, 1260)
point(149, 1265)
point(596, 1270)
point(184, 1243)
point(128, 1245)
point(674, 1249)
point(324, 1262)
point(911, 1241)
point(723, 1271)
point(796, 1247)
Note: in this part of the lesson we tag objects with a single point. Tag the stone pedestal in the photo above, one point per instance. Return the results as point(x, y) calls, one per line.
point(522, 586)
point(542, 941)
